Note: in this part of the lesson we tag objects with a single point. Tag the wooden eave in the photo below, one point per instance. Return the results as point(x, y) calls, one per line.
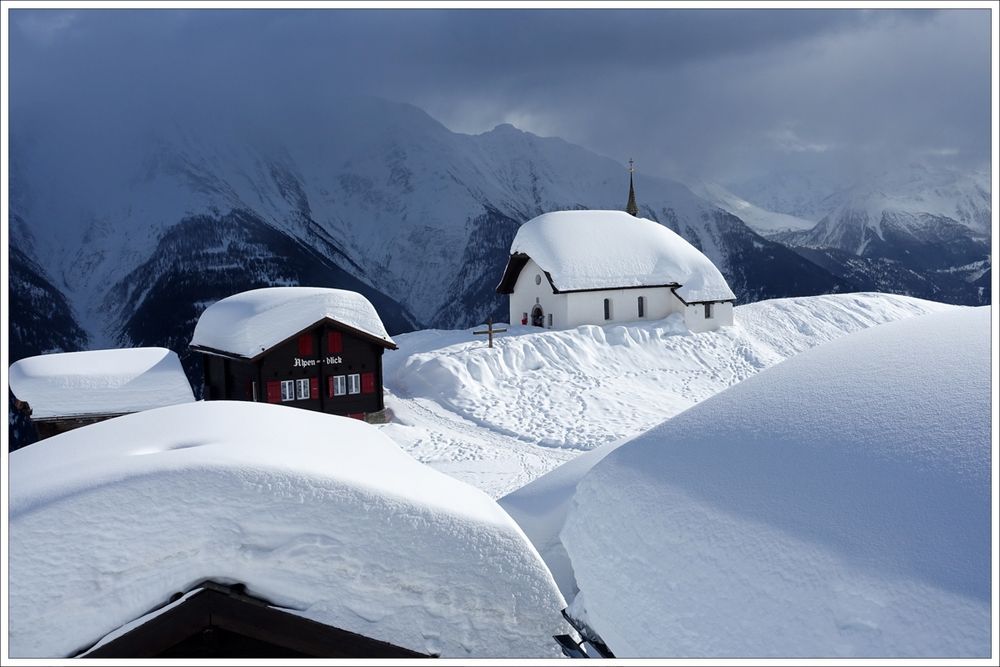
point(325, 320)
point(88, 415)
point(230, 608)
point(690, 303)
point(518, 260)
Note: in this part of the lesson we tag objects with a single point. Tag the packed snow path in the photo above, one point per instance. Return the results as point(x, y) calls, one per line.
point(498, 418)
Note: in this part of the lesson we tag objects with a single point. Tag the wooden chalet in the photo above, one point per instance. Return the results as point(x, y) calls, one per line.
point(312, 348)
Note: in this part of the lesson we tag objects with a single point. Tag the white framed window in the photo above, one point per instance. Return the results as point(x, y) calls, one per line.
point(339, 385)
point(302, 389)
point(708, 310)
point(354, 383)
point(288, 390)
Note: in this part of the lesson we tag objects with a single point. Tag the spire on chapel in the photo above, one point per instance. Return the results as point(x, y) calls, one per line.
point(631, 208)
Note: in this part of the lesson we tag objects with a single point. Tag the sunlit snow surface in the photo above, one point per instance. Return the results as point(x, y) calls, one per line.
point(837, 504)
point(321, 515)
point(500, 418)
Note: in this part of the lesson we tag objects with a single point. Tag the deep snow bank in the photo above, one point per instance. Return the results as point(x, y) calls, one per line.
point(318, 514)
point(585, 387)
point(835, 505)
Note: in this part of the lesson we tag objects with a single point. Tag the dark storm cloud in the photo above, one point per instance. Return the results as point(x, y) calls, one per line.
point(724, 93)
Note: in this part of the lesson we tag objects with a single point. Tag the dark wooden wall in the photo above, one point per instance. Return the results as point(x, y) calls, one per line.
point(233, 379)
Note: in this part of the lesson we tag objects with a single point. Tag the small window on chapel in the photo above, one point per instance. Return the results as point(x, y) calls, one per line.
point(538, 279)
point(642, 306)
point(607, 309)
point(708, 311)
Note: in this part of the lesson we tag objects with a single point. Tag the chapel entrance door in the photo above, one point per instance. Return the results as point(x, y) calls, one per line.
point(537, 317)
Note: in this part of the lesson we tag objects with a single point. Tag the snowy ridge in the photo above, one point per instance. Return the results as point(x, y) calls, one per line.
point(501, 418)
point(611, 249)
point(307, 509)
point(805, 512)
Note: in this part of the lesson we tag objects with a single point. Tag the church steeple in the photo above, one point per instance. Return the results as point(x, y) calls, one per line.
point(631, 208)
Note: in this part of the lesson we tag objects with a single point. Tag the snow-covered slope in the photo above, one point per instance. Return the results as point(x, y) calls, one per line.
point(318, 514)
point(760, 220)
point(499, 418)
point(835, 505)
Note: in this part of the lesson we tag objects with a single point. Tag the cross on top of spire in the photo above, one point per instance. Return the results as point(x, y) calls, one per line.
point(631, 207)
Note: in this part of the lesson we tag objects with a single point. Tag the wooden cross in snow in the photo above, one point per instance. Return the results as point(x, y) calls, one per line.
point(489, 330)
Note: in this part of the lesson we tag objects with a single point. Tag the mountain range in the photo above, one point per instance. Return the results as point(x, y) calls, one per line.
point(379, 197)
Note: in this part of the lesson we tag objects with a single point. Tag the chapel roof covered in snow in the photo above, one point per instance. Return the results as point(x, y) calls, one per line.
point(248, 323)
point(99, 382)
point(320, 515)
point(598, 250)
point(834, 505)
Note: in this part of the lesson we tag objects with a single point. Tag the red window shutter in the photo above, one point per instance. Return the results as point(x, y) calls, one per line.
point(329, 386)
point(306, 345)
point(273, 391)
point(334, 342)
point(313, 387)
point(367, 383)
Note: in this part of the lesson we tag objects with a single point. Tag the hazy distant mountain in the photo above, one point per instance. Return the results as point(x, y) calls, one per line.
point(758, 219)
point(372, 195)
point(917, 230)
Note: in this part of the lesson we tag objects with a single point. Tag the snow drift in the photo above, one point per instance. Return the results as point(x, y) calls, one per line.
point(318, 514)
point(837, 504)
point(582, 388)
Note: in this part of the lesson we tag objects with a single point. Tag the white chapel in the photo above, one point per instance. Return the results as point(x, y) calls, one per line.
point(568, 268)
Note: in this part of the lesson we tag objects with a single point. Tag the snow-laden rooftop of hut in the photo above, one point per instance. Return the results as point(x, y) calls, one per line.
point(99, 382)
point(835, 505)
point(609, 249)
point(248, 323)
point(317, 514)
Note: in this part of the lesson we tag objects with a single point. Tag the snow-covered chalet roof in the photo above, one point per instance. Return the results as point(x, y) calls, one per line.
point(99, 382)
point(595, 250)
point(835, 505)
point(249, 323)
point(320, 515)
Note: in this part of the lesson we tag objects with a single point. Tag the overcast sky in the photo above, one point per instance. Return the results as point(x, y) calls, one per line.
point(722, 94)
